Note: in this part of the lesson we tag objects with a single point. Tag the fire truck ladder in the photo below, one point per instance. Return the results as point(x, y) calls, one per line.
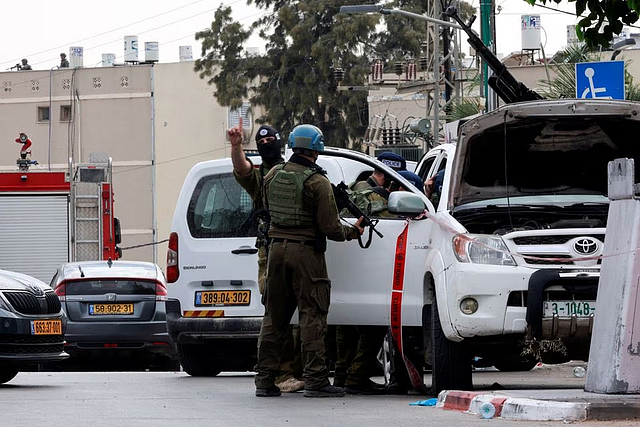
point(87, 209)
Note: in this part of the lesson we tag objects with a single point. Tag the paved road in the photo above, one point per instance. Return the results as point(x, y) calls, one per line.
point(163, 399)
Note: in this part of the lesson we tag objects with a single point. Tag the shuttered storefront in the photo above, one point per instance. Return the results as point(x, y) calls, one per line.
point(34, 234)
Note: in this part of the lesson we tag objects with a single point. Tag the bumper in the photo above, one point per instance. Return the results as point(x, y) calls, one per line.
point(18, 347)
point(490, 286)
point(510, 301)
point(184, 330)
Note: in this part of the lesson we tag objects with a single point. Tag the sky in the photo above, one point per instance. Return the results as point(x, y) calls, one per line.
point(40, 30)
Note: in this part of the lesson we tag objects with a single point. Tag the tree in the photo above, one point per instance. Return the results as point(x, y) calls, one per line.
point(294, 80)
point(307, 41)
point(605, 18)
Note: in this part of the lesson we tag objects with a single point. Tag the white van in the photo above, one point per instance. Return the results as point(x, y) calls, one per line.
point(214, 310)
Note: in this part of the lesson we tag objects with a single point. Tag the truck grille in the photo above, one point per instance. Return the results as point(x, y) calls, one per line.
point(28, 303)
point(556, 250)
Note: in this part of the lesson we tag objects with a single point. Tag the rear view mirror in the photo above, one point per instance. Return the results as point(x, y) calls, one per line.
point(405, 203)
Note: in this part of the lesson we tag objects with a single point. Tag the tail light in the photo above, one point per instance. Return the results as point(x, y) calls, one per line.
point(61, 291)
point(173, 271)
point(161, 292)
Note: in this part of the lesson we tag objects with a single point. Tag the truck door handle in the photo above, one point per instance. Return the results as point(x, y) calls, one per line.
point(245, 250)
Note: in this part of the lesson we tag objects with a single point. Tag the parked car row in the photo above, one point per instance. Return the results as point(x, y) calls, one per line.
point(94, 314)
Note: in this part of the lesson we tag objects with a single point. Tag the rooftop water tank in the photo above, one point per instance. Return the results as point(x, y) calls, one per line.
point(130, 48)
point(151, 52)
point(531, 29)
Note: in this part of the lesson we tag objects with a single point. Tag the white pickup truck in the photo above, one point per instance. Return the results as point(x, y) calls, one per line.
point(505, 268)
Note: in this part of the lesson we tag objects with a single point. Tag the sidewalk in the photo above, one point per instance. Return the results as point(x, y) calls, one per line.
point(544, 404)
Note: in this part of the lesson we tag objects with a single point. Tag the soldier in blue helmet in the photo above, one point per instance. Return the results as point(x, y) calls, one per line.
point(303, 214)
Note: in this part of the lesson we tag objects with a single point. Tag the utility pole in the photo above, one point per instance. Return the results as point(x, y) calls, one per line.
point(486, 32)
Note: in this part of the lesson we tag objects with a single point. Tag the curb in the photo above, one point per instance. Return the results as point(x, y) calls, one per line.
point(514, 408)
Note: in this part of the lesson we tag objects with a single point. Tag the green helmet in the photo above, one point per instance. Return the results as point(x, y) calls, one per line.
point(306, 136)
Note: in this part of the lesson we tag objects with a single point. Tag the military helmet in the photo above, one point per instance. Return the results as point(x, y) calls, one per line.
point(306, 136)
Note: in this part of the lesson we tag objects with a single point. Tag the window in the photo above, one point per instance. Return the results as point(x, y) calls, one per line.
point(65, 113)
point(219, 208)
point(43, 114)
point(244, 112)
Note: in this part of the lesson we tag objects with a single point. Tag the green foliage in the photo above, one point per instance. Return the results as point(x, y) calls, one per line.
point(603, 19)
point(464, 108)
point(306, 40)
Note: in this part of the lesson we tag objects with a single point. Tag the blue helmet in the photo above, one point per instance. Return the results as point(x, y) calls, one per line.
point(306, 136)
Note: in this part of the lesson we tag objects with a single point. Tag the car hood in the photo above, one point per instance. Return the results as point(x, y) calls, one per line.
point(11, 281)
point(548, 147)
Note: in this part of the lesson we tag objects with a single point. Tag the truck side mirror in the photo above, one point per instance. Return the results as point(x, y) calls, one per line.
point(116, 230)
point(405, 203)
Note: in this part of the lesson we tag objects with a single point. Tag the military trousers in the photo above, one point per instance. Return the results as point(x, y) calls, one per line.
point(291, 361)
point(357, 351)
point(296, 279)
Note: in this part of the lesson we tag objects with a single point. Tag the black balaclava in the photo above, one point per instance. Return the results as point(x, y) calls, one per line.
point(269, 151)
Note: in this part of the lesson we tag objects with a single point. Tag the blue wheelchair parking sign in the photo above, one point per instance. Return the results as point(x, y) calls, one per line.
point(603, 80)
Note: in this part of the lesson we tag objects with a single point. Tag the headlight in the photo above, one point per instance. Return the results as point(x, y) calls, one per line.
point(482, 249)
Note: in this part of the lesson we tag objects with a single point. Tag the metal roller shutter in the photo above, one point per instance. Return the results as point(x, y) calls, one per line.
point(34, 234)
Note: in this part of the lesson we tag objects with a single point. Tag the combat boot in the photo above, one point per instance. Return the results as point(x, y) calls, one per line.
point(326, 391)
point(272, 391)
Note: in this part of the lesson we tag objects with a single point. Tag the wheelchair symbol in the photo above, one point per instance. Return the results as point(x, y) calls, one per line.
point(589, 73)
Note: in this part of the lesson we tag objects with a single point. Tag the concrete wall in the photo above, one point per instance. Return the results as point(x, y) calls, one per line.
point(190, 127)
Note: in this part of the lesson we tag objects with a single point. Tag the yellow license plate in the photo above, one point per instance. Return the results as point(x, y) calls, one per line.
point(222, 298)
point(100, 309)
point(46, 327)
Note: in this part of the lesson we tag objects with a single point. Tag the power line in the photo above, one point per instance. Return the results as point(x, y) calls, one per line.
point(103, 33)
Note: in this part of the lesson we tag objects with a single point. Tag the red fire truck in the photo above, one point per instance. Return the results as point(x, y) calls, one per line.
point(51, 217)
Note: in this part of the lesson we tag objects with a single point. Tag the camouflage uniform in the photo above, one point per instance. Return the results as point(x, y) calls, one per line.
point(297, 274)
point(358, 346)
point(291, 362)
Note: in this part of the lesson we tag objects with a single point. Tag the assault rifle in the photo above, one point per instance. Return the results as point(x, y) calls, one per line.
point(502, 81)
point(344, 202)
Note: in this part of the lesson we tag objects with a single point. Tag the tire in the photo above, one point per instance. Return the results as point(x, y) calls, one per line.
point(197, 360)
point(451, 362)
point(515, 365)
point(7, 374)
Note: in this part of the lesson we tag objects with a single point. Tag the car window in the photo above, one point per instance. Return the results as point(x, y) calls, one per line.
point(101, 287)
point(425, 167)
point(220, 208)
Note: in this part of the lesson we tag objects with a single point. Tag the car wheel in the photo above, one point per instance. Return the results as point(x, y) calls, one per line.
point(197, 360)
point(451, 363)
point(7, 374)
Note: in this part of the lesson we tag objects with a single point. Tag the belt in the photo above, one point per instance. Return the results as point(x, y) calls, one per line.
point(300, 242)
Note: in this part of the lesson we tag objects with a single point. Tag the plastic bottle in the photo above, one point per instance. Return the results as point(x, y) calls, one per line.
point(579, 372)
point(487, 410)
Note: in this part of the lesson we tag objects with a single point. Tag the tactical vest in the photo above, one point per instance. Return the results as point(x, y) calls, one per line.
point(286, 200)
point(361, 198)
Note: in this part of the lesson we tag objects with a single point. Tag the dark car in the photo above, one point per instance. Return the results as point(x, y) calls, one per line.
point(32, 324)
point(116, 315)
